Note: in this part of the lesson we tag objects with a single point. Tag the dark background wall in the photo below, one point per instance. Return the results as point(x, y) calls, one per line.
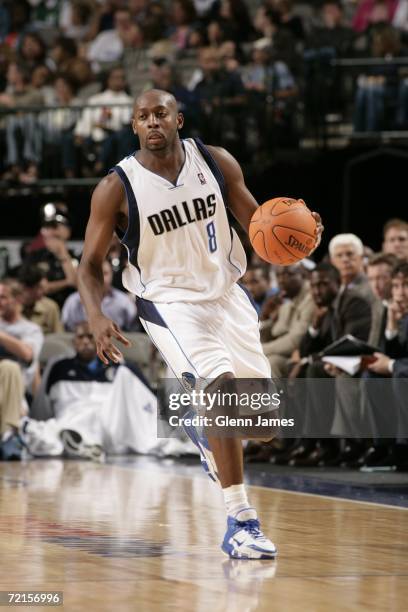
point(377, 190)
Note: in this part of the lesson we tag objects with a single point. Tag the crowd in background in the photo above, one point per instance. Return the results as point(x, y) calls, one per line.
point(256, 69)
point(303, 309)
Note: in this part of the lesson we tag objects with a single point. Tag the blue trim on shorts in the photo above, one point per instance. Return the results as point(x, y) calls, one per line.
point(131, 238)
point(147, 311)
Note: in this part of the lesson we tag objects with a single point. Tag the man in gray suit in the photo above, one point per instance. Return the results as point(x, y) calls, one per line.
point(346, 254)
point(379, 275)
point(286, 317)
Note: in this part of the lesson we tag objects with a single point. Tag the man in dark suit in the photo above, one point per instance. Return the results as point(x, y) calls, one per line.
point(386, 385)
point(337, 312)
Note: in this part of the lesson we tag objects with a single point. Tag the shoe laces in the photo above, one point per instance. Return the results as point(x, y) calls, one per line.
point(252, 527)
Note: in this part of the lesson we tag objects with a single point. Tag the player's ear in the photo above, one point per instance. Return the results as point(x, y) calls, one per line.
point(180, 120)
point(134, 125)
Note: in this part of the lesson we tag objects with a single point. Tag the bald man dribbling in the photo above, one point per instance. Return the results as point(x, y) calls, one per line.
point(168, 202)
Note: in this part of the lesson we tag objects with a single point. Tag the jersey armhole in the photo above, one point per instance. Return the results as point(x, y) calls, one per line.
point(131, 237)
point(214, 167)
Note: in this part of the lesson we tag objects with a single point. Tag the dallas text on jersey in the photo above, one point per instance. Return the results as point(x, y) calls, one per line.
point(182, 214)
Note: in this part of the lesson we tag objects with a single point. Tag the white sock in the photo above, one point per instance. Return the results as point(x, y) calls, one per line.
point(236, 499)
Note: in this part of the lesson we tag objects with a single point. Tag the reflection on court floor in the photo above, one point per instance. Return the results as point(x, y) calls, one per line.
point(144, 538)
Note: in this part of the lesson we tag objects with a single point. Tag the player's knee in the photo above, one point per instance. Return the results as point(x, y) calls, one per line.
point(220, 381)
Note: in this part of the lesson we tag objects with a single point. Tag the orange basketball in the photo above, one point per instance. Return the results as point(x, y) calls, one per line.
point(282, 231)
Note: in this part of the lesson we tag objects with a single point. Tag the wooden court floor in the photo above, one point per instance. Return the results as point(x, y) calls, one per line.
point(115, 538)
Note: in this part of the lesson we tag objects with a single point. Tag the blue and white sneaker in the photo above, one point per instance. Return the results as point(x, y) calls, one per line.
point(12, 448)
point(201, 442)
point(244, 538)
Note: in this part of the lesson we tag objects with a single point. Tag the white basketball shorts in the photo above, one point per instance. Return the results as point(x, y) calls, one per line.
point(207, 339)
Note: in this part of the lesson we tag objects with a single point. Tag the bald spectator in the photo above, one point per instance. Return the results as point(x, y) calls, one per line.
point(116, 305)
point(396, 238)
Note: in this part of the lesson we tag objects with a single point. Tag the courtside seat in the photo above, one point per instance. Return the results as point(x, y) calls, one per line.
point(56, 345)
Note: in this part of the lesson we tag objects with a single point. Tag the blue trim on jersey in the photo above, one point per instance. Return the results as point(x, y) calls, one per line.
point(148, 312)
point(132, 235)
point(214, 167)
point(219, 177)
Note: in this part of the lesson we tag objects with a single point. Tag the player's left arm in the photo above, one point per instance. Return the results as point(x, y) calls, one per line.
point(240, 200)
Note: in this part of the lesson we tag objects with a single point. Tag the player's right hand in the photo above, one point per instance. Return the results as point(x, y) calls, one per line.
point(104, 330)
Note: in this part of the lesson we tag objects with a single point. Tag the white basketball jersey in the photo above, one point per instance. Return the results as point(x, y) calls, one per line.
point(180, 245)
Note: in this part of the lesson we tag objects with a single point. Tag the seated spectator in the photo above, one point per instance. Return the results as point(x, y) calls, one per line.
point(23, 140)
point(385, 402)
point(378, 87)
point(373, 11)
point(395, 360)
point(332, 32)
point(87, 408)
point(235, 21)
point(101, 119)
point(32, 50)
point(333, 317)
point(116, 305)
point(346, 254)
point(264, 74)
point(221, 96)
point(215, 34)
point(20, 345)
point(109, 45)
point(337, 313)
point(74, 19)
point(267, 23)
point(379, 270)
point(395, 241)
point(379, 275)
point(273, 94)
point(57, 127)
point(79, 70)
point(37, 308)
point(41, 80)
point(49, 250)
point(231, 56)
point(61, 53)
point(285, 317)
point(256, 280)
point(183, 16)
point(293, 23)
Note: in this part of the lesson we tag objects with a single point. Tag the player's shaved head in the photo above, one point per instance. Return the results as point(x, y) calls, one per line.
point(155, 97)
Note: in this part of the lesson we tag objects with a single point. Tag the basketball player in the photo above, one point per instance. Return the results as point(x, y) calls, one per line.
point(168, 201)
